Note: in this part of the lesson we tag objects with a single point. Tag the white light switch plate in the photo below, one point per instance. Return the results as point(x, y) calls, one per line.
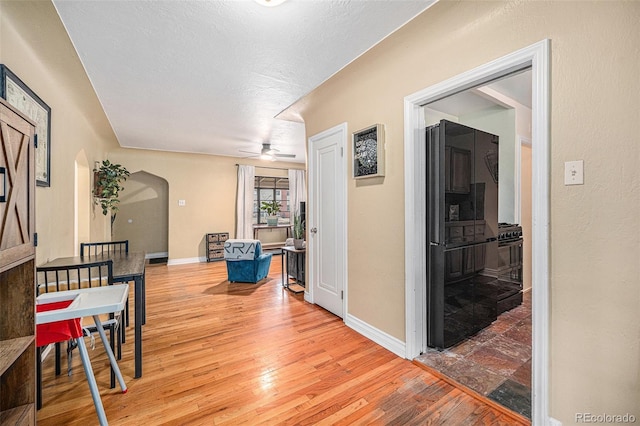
point(182, 203)
point(574, 172)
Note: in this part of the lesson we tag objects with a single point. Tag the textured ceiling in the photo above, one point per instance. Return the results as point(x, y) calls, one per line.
point(210, 76)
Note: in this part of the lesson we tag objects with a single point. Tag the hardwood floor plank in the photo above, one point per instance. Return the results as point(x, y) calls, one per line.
point(217, 353)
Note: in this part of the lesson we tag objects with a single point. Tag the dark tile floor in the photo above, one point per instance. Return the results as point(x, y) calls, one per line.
point(496, 362)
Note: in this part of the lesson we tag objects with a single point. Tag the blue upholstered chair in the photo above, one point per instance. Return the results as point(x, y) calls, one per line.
point(245, 261)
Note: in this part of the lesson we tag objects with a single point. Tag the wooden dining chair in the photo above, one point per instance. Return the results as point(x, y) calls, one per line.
point(73, 277)
point(105, 247)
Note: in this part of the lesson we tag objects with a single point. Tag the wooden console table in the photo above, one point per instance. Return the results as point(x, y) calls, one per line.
point(257, 228)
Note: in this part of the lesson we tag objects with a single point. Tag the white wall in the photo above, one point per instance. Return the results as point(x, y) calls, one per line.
point(501, 122)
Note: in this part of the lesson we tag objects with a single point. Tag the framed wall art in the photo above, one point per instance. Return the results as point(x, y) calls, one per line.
point(368, 152)
point(26, 101)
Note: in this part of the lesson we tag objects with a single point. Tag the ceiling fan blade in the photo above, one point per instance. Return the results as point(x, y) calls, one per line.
point(248, 152)
point(285, 155)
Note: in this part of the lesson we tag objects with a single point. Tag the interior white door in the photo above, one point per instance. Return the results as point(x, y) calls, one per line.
point(326, 244)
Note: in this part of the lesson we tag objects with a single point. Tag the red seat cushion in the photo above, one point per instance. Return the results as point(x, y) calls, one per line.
point(58, 331)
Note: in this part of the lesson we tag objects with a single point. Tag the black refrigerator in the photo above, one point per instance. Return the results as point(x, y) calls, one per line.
point(462, 227)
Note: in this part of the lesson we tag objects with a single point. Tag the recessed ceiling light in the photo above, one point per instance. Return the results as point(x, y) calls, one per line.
point(270, 3)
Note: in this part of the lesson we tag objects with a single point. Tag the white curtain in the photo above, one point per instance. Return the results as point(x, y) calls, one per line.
point(297, 189)
point(244, 203)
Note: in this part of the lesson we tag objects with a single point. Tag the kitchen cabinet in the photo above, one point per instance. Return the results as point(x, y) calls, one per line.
point(453, 265)
point(469, 259)
point(17, 268)
point(457, 177)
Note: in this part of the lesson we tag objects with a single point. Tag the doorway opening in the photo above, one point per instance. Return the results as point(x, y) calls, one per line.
point(496, 360)
point(143, 216)
point(535, 57)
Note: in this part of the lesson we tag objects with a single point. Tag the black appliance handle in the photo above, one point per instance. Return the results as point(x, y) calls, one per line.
point(435, 184)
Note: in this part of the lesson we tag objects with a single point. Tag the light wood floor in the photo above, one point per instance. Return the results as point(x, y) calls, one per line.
point(218, 353)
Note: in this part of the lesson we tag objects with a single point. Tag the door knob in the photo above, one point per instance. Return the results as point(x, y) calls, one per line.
point(314, 230)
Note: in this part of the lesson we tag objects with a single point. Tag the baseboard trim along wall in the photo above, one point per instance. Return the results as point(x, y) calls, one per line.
point(157, 255)
point(383, 339)
point(186, 260)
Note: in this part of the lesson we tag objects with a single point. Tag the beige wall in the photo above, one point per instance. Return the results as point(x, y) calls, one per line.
point(208, 185)
point(34, 45)
point(594, 261)
point(595, 298)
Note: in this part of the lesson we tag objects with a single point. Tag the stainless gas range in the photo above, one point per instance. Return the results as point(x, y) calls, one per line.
point(509, 266)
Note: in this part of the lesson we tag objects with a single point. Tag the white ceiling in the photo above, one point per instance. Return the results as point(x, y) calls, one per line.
point(515, 86)
point(210, 76)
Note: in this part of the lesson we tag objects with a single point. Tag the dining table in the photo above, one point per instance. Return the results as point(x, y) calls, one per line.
point(127, 267)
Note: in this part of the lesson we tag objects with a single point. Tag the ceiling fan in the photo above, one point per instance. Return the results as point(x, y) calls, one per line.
point(268, 153)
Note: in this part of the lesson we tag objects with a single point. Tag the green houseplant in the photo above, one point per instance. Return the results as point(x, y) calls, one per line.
point(298, 231)
point(108, 178)
point(271, 208)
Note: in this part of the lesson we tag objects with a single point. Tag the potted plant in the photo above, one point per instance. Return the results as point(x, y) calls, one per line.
point(298, 231)
point(108, 178)
point(271, 208)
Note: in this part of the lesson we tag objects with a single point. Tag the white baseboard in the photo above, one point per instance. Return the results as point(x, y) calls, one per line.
point(383, 339)
point(186, 260)
point(157, 255)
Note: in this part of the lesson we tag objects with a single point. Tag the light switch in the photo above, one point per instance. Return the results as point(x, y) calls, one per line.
point(182, 203)
point(574, 172)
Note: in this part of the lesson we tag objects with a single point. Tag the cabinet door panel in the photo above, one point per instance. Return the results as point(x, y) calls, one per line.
point(460, 170)
point(18, 188)
point(453, 264)
point(480, 256)
point(468, 260)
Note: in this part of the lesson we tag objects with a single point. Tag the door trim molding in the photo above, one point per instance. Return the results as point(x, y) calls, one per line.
point(535, 56)
point(341, 130)
point(517, 178)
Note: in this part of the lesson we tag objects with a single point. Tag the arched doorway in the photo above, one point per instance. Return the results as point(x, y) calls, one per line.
point(143, 215)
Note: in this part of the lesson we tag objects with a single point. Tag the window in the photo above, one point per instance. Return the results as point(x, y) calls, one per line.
point(268, 188)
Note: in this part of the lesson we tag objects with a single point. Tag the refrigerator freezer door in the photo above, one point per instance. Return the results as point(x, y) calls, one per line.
point(435, 296)
point(462, 301)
